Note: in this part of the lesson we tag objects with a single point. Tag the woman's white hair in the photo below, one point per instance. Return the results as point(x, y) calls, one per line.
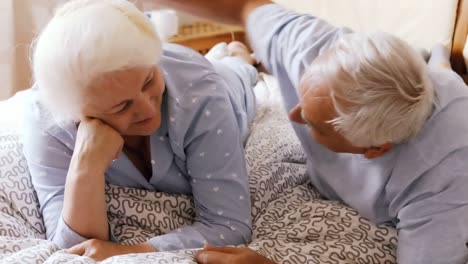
point(85, 39)
point(379, 85)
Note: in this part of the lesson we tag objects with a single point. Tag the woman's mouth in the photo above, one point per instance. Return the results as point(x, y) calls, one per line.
point(144, 121)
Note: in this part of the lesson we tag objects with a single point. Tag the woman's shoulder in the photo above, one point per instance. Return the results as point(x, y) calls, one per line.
point(184, 67)
point(188, 75)
point(38, 122)
point(174, 54)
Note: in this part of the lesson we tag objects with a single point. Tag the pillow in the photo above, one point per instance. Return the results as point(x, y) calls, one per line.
point(18, 198)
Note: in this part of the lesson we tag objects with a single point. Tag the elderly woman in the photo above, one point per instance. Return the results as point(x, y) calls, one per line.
point(111, 104)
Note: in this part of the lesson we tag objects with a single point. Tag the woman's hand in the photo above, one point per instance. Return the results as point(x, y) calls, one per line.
point(230, 255)
point(97, 144)
point(100, 250)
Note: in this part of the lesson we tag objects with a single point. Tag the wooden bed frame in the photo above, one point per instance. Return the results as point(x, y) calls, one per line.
point(202, 36)
point(459, 40)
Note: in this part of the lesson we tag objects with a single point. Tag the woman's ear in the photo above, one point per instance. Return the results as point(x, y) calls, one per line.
point(375, 152)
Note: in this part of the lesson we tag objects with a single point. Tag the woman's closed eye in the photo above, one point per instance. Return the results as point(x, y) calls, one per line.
point(148, 82)
point(125, 107)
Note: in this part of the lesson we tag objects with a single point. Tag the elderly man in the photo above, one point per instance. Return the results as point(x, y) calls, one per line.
point(382, 131)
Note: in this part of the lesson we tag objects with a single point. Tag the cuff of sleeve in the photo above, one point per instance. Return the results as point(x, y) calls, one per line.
point(260, 11)
point(261, 25)
point(182, 238)
point(65, 237)
point(256, 22)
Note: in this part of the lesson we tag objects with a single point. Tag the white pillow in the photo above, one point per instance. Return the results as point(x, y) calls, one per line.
point(18, 198)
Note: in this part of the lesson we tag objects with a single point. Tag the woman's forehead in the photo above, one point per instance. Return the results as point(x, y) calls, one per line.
point(113, 87)
point(125, 75)
point(120, 80)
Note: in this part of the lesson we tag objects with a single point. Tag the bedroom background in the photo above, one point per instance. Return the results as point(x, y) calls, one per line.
point(420, 22)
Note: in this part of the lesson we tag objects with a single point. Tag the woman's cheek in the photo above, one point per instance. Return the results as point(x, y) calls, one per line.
point(120, 123)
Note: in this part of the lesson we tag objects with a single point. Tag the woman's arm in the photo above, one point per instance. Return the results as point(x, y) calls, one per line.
point(73, 206)
point(84, 203)
point(216, 167)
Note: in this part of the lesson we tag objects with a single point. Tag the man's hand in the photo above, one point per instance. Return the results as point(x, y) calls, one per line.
point(230, 255)
point(100, 250)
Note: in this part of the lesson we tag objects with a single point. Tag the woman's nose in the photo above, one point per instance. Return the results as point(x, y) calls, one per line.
point(147, 106)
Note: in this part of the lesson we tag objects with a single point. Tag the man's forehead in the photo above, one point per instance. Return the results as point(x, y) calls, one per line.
point(317, 99)
point(309, 90)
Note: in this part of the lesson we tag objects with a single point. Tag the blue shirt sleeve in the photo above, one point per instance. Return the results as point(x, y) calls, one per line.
point(286, 42)
point(216, 166)
point(48, 160)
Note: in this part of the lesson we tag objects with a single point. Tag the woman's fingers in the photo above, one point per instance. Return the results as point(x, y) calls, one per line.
point(221, 255)
point(228, 250)
point(212, 257)
point(98, 142)
point(79, 249)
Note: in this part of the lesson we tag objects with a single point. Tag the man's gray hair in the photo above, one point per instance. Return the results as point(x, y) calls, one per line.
point(379, 86)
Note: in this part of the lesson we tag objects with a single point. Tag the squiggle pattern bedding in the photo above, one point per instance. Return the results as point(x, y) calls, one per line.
point(292, 223)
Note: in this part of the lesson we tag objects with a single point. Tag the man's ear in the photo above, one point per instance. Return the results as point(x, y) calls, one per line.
point(295, 115)
point(375, 152)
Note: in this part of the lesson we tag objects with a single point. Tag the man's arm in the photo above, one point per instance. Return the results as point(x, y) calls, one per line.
point(285, 42)
point(222, 11)
point(433, 223)
point(439, 238)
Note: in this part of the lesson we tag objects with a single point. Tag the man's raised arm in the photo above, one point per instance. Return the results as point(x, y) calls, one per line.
point(223, 11)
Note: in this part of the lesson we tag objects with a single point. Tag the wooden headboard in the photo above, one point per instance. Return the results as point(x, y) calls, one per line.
point(459, 39)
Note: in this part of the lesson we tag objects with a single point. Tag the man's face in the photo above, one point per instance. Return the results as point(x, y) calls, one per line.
point(315, 109)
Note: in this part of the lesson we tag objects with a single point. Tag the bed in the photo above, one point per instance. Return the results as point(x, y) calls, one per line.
point(292, 222)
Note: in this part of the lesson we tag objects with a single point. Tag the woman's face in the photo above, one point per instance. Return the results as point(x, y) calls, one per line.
point(128, 100)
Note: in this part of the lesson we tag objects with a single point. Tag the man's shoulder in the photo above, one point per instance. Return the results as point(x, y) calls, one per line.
point(446, 130)
point(448, 86)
